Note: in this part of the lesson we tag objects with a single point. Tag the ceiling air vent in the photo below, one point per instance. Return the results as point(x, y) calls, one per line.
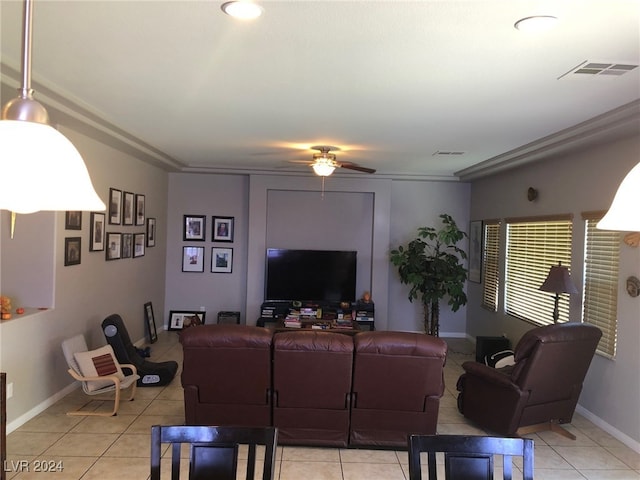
point(601, 68)
point(446, 152)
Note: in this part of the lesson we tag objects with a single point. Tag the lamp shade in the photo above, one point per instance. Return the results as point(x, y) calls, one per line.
point(40, 169)
point(558, 281)
point(624, 214)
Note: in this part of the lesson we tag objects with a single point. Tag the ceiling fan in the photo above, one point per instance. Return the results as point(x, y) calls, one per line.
point(324, 162)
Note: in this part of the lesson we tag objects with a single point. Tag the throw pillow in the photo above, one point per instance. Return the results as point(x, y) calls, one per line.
point(98, 363)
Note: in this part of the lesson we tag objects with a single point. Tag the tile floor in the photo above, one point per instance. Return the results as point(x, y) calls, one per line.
point(108, 448)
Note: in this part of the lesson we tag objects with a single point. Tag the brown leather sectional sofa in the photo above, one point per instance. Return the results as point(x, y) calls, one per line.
point(318, 388)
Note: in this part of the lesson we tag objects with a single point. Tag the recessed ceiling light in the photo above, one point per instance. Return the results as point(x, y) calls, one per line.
point(244, 10)
point(538, 23)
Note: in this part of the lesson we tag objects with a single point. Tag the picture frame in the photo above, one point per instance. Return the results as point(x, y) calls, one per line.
point(138, 244)
point(96, 232)
point(194, 228)
point(126, 245)
point(72, 251)
point(221, 260)
point(140, 209)
point(222, 230)
point(73, 220)
point(193, 259)
point(181, 319)
point(115, 206)
point(114, 246)
point(150, 321)
point(128, 200)
point(151, 232)
point(475, 251)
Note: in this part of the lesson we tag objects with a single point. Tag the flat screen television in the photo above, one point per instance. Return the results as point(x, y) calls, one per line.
point(310, 275)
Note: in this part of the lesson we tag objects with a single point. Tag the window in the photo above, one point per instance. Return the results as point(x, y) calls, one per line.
point(600, 296)
point(533, 246)
point(490, 265)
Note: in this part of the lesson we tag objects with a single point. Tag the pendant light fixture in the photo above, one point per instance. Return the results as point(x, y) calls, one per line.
point(623, 214)
point(40, 168)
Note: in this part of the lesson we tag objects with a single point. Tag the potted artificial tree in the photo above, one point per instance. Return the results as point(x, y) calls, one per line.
point(432, 266)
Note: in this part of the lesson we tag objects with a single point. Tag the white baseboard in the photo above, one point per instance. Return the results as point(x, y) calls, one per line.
point(41, 407)
point(614, 432)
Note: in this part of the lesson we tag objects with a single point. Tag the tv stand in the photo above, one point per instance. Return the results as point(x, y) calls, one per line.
point(274, 313)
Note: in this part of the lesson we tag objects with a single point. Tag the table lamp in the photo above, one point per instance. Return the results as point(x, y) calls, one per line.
point(558, 281)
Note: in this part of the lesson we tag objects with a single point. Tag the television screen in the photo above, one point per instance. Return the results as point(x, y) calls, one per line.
point(310, 275)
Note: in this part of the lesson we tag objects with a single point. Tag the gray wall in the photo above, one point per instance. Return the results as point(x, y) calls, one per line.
point(83, 295)
point(575, 183)
point(372, 215)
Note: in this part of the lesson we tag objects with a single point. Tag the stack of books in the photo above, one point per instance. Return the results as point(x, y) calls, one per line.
point(268, 312)
point(292, 320)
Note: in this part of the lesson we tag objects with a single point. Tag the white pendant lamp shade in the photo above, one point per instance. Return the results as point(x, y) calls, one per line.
point(42, 170)
point(624, 214)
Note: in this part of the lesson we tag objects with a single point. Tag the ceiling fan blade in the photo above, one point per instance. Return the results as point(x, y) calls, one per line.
point(353, 166)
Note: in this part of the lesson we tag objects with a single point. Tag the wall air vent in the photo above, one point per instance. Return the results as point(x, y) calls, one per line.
point(601, 68)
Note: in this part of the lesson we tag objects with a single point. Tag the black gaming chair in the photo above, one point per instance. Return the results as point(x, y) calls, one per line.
point(152, 374)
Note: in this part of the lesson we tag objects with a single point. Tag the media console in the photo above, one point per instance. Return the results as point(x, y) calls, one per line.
point(276, 313)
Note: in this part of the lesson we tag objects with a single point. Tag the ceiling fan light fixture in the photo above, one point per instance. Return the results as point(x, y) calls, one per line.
point(535, 24)
point(242, 9)
point(323, 169)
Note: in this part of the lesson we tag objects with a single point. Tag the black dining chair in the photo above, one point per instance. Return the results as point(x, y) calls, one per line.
point(213, 451)
point(469, 457)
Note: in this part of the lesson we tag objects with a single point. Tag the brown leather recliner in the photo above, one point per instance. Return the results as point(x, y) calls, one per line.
point(540, 391)
point(397, 385)
point(312, 387)
point(226, 375)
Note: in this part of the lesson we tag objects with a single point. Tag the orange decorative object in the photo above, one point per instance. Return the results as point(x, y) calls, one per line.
point(5, 308)
point(19, 310)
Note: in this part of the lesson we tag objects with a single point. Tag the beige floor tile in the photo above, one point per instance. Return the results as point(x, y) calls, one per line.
point(31, 443)
point(165, 407)
point(628, 456)
point(546, 457)
point(311, 470)
point(372, 471)
point(310, 454)
point(49, 422)
point(119, 469)
point(115, 424)
point(590, 458)
point(550, 474)
point(349, 455)
point(130, 445)
point(143, 423)
point(81, 445)
point(610, 474)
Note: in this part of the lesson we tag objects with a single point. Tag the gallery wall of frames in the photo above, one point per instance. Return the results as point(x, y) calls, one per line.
point(123, 231)
point(194, 229)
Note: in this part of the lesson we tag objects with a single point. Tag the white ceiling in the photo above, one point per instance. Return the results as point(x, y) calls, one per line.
point(390, 82)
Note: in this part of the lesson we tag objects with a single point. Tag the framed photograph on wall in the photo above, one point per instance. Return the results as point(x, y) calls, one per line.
point(72, 251)
point(73, 220)
point(115, 206)
point(96, 232)
point(475, 251)
point(151, 232)
point(127, 245)
point(140, 209)
point(138, 245)
point(150, 320)
point(222, 229)
point(114, 246)
point(193, 259)
point(194, 227)
point(221, 260)
point(127, 208)
point(180, 319)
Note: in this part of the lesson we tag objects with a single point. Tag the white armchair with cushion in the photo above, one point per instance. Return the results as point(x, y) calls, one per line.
point(98, 371)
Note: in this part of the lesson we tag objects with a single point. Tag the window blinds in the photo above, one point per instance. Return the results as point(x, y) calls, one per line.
point(533, 246)
point(491, 265)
